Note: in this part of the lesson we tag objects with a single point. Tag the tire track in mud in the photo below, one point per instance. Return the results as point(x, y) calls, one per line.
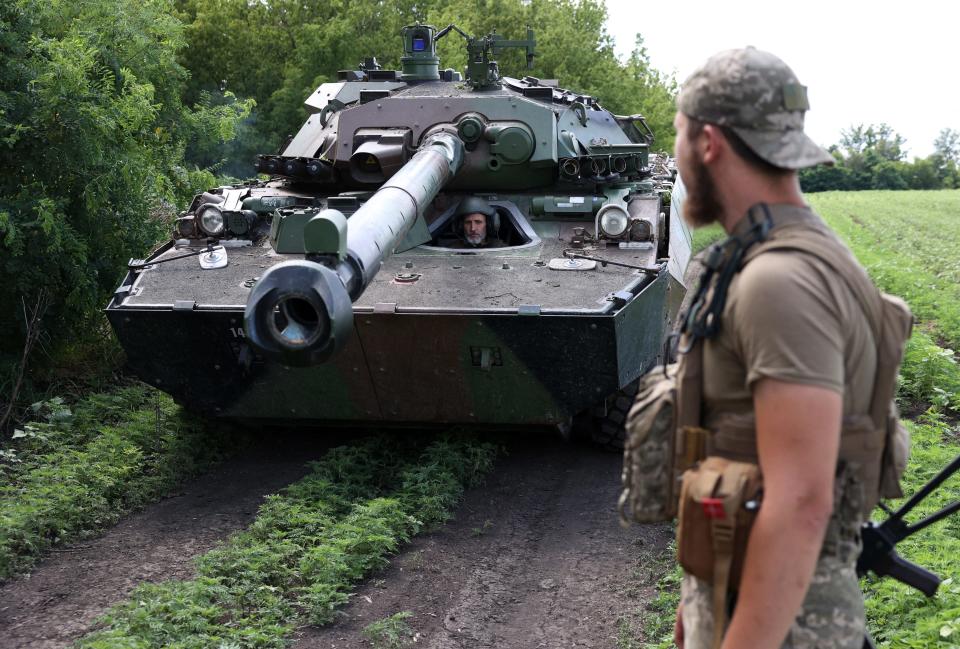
point(59, 601)
point(535, 558)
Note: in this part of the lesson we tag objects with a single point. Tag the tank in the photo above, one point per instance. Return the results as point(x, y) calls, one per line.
point(430, 248)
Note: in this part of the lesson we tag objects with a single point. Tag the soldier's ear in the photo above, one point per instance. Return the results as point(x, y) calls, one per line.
point(711, 144)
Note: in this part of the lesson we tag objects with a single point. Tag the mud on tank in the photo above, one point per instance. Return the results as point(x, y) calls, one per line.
point(345, 289)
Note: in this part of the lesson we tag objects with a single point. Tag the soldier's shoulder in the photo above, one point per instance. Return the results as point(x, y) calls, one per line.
point(780, 268)
point(783, 281)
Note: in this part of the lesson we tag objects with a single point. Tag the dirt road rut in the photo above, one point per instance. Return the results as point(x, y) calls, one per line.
point(535, 558)
point(61, 598)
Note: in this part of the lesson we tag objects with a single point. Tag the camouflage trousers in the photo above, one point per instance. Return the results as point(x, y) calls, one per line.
point(831, 617)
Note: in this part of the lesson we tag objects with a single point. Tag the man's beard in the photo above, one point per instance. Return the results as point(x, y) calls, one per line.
point(701, 206)
point(475, 240)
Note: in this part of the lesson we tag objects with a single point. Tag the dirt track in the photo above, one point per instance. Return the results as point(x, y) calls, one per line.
point(534, 558)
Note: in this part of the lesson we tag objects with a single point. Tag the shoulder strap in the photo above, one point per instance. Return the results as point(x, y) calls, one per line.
point(827, 249)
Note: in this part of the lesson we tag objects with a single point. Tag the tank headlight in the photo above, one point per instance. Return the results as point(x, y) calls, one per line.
point(613, 221)
point(211, 220)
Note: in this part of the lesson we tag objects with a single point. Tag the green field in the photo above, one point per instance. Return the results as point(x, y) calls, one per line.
point(910, 244)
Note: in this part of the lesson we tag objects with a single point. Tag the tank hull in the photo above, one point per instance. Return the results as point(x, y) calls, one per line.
point(471, 366)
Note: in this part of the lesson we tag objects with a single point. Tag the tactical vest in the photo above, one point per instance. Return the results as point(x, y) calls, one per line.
point(665, 435)
point(874, 442)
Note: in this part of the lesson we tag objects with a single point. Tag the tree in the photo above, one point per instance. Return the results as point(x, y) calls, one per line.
point(823, 178)
point(946, 157)
point(947, 145)
point(922, 174)
point(879, 139)
point(889, 174)
point(866, 147)
point(94, 133)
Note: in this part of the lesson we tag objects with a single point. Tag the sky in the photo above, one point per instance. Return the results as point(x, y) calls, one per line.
point(862, 62)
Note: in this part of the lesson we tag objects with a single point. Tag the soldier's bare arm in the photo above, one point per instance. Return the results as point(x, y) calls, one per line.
point(798, 437)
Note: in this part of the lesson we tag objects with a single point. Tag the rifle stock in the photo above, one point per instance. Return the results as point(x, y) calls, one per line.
point(880, 540)
point(907, 572)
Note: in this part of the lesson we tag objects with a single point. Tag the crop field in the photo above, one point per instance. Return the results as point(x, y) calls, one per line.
point(910, 243)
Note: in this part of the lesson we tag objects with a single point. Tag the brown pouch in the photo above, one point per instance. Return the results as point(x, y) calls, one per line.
point(718, 498)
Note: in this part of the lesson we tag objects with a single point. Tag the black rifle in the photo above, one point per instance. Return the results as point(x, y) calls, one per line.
point(879, 554)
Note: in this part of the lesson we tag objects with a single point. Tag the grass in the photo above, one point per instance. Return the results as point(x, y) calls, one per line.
point(626, 634)
point(661, 610)
point(72, 472)
point(308, 545)
point(391, 632)
point(909, 242)
point(482, 529)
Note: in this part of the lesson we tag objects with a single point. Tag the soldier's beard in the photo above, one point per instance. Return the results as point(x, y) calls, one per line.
point(475, 240)
point(701, 206)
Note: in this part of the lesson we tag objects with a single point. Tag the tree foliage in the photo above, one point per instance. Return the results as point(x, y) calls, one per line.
point(947, 145)
point(93, 133)
point(873, 157)
point(278, 52)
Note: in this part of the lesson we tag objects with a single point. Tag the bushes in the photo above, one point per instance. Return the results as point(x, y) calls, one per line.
point(92, 139)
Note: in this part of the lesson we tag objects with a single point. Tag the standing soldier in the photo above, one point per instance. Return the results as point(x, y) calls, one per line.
point(791, 361)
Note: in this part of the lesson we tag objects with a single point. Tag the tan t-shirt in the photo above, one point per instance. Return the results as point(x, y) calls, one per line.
point(790, 317)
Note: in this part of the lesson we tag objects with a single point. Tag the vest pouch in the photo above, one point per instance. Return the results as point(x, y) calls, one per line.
point(719, 500)
point(648, 480)
point(895, 455)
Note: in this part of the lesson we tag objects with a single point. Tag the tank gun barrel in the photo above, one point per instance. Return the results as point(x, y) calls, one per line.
point(300, 312)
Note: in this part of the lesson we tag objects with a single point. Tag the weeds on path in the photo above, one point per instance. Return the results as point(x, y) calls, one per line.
point(71, 473)
point(308, 545)
point(391, 632)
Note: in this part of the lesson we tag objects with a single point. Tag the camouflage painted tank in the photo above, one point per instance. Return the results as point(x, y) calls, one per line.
point(354, 285)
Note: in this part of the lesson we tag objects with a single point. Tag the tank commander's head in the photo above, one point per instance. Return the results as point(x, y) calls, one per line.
point(477, 223)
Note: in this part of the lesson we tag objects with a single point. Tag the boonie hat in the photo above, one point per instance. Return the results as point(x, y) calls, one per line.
point(759, 98)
